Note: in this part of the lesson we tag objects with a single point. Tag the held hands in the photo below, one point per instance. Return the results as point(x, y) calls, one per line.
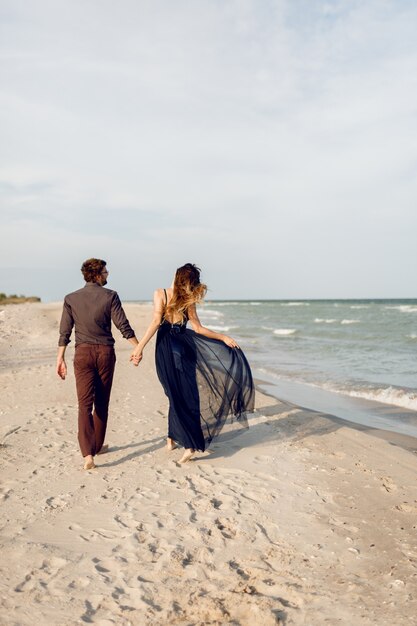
point(136, 357)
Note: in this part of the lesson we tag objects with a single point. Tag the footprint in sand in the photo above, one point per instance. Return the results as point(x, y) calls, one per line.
point(388, 484)
point(57, 502)
point(407, 507)
point(201, 503)
point(37, 577)
point(129, 524)
point(227, 527)
point(236, 568)
point(5, 493)
point(80, 583)
point(344, 526)
point(258, 460)
point(26, 584)
point(182, 556)
point(105, 534)
point(338, 455)
point(53, 565)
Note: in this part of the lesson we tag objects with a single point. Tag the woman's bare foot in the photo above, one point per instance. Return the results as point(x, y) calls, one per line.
point(104, 448)
point(188, 454)
point(88, 462)
point(171, 445)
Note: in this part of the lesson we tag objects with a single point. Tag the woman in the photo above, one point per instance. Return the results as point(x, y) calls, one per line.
point(204, 374)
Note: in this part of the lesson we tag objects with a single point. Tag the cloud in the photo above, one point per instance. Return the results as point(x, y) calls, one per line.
point(242, 133)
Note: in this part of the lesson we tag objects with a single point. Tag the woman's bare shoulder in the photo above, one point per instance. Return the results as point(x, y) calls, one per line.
point(159, 294)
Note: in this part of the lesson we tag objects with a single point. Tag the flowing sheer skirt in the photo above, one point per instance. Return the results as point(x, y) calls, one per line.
point(205, 381)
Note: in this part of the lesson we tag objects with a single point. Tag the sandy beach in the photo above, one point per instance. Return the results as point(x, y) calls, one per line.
point(302, 519)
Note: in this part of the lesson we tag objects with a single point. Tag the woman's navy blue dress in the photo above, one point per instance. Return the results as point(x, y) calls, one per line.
point(205, 381)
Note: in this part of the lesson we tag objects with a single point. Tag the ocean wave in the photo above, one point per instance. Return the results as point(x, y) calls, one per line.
point(230, 303)
point(413, 336)
point(210, 313)
point(388, 395)
point(393, 396)
point(234, 303)
point(222, 329)
point(359, 306)
point(284, 332)
point(295, 304)
point(404, 308)
point(214, 303)
point(320, 320)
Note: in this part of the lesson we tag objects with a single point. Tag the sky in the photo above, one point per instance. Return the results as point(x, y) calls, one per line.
point(271, 142)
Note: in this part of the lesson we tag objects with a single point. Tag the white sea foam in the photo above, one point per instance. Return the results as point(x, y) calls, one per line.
point(226, 303)
point(413, 336)
point(387, 395)
point(210, 313)
point(404, 308)
point(284, 332)
point(395, 396)
point(222, 329)
point(231, 303)
point(295, 304)
point(359, 306)
point(319, 320)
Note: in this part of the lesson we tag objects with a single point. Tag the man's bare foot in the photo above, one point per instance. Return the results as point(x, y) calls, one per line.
point(171, 445)
point(188, 454)
point(104, 448)
point(88, 462)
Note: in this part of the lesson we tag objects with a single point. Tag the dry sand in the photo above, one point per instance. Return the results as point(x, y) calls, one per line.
point(301, 519)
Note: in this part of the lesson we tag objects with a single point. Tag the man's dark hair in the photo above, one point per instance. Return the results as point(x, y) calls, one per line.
point(92, 268)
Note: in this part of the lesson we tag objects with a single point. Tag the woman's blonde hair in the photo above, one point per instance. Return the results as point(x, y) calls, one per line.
point(187, 291)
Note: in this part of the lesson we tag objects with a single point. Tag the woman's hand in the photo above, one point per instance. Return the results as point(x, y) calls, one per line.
point(136, 357)
point(229, 341)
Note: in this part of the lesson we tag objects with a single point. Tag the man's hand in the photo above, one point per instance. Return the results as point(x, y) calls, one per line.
point(61, 368)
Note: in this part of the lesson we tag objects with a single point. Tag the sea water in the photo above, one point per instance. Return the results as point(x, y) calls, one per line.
point(354, 358)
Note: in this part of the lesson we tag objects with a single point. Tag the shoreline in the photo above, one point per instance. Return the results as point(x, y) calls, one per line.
point(399, 423)
point(303, 518)
point(406, 441)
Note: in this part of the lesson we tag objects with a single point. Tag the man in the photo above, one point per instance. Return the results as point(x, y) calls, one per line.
point(91, 310)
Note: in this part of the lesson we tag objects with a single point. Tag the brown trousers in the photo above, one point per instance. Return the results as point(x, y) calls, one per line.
point(94, 369)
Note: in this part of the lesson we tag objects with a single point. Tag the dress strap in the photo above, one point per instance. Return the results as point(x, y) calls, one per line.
point(165, 307)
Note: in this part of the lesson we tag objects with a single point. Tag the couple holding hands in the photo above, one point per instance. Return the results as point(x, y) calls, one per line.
point(204, 374)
